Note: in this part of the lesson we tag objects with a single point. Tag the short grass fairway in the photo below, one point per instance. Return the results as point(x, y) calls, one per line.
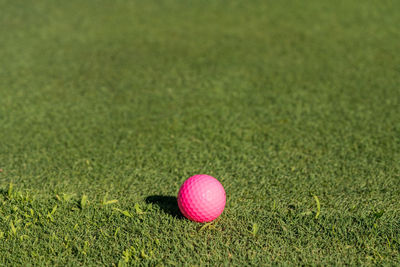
point(106, 107)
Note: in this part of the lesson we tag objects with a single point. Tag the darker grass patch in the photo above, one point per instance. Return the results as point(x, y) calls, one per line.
point(168, 204)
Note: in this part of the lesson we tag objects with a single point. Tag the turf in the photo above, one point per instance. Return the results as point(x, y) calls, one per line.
point(106, 107)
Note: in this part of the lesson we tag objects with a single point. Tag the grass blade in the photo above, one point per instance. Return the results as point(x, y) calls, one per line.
point(318, 206)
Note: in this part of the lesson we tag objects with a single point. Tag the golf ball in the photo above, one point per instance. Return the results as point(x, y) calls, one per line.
point(201, 198)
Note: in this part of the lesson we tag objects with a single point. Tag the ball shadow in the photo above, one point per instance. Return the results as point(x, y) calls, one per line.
point(168, 204)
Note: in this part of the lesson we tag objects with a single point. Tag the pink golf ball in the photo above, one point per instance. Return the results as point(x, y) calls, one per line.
point(201, 198)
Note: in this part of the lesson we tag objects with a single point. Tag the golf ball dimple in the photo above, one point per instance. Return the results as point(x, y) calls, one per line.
point(201, 198)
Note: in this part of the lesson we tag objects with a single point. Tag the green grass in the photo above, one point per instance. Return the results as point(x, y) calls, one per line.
point(106, 107)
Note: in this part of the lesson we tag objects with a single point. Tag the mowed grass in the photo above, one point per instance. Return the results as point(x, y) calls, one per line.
point(106, 107)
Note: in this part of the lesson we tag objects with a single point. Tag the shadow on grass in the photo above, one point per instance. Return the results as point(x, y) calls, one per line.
point(4, 192)
point(168, 204)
